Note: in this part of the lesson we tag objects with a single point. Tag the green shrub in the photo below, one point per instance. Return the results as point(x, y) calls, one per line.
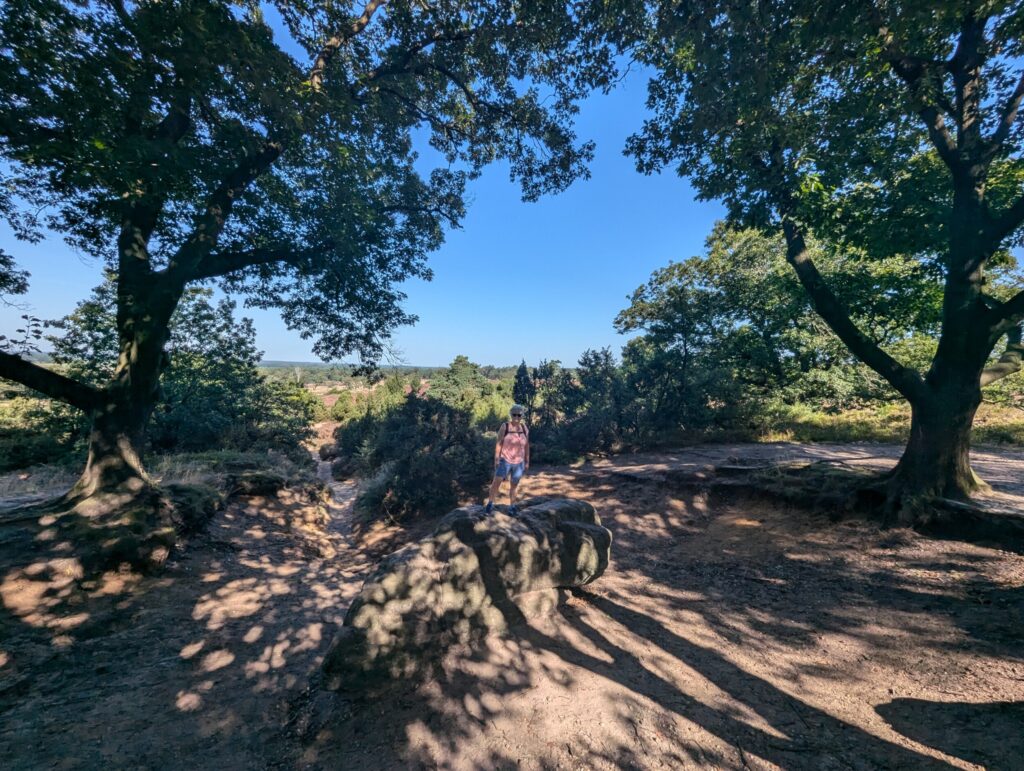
point(35, 431)
point(427, 458)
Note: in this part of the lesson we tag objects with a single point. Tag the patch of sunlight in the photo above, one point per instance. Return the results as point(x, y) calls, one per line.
point(187, 701)
point(254, 634)
point(69, 622)
point(272, 658)
point(217, 660)
point(192, 649)
point(237, 599)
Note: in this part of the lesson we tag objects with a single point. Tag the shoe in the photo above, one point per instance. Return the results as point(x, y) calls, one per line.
point(513, 510)
point(489, 508)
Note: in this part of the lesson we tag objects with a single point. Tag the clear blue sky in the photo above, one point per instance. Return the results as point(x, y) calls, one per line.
point(518, 281)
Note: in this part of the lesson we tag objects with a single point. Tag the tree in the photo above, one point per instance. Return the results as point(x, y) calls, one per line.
point(557, 392)
point(212, 395)
point(461, 385)
point(524, 391)
point(887, 126)
point(425, 457)
point(182, 144)
point(739, 310)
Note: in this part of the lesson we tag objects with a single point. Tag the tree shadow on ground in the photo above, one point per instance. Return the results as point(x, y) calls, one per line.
point(668, 637)
point(189, 669)
point(449, 722)
point(756, 586)
point(986, 734)
point(194, 669)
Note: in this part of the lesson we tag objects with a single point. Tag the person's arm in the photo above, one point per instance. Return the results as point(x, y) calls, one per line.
point(527, 449)
point(497, 445)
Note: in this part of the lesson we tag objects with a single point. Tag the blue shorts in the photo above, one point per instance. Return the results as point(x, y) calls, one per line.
point(505, 468)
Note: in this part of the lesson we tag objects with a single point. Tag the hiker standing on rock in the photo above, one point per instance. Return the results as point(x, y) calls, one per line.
point(511, 457)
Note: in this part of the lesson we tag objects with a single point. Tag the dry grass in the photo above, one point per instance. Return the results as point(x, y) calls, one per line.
point(993, 424)
point(37, 480)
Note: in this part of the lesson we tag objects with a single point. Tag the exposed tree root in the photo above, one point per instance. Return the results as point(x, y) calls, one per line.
point(838, 491)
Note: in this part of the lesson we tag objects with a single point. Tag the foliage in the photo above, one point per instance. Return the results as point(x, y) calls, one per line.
point(361, 415)
point(524, 390)
point(460, 385)
point(427, 458)
point(212, 395)
point(27, 433)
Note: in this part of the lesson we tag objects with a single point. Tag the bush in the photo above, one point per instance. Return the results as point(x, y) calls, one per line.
point(34, 431)
point(428, 457)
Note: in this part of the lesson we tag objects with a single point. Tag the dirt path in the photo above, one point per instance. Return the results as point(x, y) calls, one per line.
point(725, 635)
point(193, 669)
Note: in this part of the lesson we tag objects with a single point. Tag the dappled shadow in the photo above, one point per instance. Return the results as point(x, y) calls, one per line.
point(186, 670)
point(790, 576)
point(586, 697)
point(727, 633)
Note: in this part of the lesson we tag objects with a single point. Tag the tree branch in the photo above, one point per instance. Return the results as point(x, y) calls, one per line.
point(48, 382)
point(210, 224)
point(401, 64)
point(1013, 309)
point(905, 380)
point(332, 46)
point(1009, 362)
point(965, 67)
point(1007, 222)
point(912, 71)
point(213, 265)
point(1007, 119)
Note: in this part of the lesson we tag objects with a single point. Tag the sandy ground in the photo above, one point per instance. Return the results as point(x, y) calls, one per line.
point(726, 634)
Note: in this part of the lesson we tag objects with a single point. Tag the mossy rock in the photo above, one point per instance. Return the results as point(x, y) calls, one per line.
point(257, 482)
point(194, 505)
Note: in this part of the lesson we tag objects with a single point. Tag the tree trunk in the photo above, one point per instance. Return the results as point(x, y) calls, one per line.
point(116, 440)
point(117, 436)
point(936, 462)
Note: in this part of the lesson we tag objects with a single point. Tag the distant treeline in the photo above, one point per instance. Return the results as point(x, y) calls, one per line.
point(315, 373)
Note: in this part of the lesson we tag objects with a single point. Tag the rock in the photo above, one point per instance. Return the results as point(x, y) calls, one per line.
point(259, 482)
point(475, 574)
point(193, 505)
point(328, 451)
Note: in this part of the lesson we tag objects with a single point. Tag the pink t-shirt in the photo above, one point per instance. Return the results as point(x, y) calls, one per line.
point(513, 446)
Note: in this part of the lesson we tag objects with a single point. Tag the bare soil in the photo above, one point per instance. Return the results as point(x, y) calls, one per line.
point(728, 633)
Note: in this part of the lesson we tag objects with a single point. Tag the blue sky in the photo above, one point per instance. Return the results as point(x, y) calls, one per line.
point(518, 281)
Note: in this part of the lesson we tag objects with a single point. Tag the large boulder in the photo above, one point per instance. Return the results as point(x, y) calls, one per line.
point(477, 573)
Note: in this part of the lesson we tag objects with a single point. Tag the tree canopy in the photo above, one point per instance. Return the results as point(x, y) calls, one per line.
point(281, 160)
point(191, 142)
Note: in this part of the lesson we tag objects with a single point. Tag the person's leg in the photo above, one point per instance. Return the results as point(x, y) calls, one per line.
point(495, 484)
point(513, 485)
point(500, 473)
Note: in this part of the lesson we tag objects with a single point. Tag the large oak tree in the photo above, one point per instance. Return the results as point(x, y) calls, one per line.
point(890, 127)
point(190, 141)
